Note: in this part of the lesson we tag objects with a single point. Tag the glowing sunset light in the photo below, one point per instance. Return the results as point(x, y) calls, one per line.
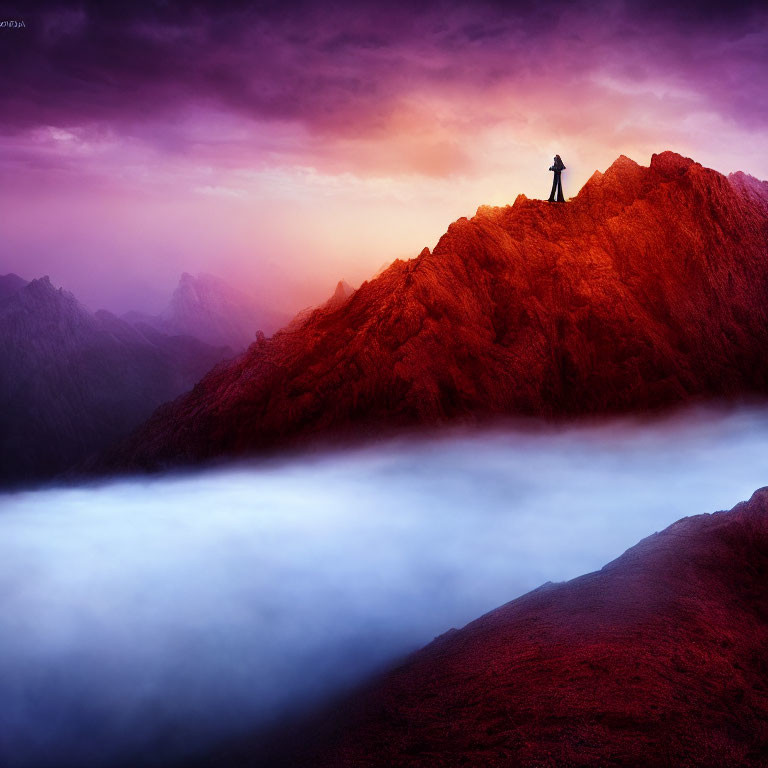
point(288, 146)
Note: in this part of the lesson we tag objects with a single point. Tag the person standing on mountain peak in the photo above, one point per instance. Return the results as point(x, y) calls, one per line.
point(558, 167)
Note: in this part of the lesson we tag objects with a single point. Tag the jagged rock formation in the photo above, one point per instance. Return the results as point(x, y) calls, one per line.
point(340, 294)
point(658, 659)
point(72, 382)
point(210, 309)
point(650, 288)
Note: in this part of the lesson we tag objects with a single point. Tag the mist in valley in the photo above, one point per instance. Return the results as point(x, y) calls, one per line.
point(147, 619)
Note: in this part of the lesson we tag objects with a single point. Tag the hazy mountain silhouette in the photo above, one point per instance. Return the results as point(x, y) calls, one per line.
point(648, 289)
point(210, 309)
point(9, 284)
point(341, 293)
point(72, 382)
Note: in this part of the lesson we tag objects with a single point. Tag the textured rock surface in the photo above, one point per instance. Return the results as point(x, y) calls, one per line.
point(649, 288)
point(72, 382)
point(658, 659)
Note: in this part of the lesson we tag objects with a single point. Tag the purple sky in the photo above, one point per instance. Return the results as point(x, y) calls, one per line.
point(283, 146)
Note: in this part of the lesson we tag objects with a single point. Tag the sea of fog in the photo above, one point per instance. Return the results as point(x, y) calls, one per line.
point(143, 620)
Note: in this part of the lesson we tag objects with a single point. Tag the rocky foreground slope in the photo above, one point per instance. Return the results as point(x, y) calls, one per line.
point(649, 288)
point(659, 659)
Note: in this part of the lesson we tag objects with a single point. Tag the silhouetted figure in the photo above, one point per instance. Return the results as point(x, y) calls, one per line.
point(557, 185)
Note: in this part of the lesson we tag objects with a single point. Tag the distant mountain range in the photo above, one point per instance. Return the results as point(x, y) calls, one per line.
point(649, 289)
point(72, 381)
point(211, 310)
point(658, 659)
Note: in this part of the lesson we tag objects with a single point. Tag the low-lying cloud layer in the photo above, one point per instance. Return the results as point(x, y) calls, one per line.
point(143, 620)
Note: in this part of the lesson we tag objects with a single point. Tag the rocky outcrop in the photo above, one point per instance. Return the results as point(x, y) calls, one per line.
point(650, 288)
point(72, 382)
point(658, 659)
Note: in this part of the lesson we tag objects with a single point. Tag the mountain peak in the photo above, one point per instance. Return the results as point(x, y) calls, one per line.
point(750, 186)
point(43, 287)
point(211, 309)
point(671, 164)
point(10, 284)
point(80, 380)
point(623, 162)
point(624, 178)
point(343, 291)
point(619, 185)
point(202, 282)
point(613, 302)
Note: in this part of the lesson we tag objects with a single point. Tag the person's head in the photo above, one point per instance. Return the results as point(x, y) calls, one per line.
point(557, 159)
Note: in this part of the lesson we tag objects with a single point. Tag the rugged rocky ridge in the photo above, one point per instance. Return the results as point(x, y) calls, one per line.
point(72, 382)
point(650, 288)
point(658, 659)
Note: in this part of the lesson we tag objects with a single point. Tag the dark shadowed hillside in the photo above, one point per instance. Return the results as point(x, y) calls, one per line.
point(72, 382)
point(650, 288)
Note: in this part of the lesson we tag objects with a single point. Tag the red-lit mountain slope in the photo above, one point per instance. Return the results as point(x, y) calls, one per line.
point(649, 288)
point(659, 659)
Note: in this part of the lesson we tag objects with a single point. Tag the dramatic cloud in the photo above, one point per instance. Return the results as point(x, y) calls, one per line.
point(345, 68)
point(460, 103)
